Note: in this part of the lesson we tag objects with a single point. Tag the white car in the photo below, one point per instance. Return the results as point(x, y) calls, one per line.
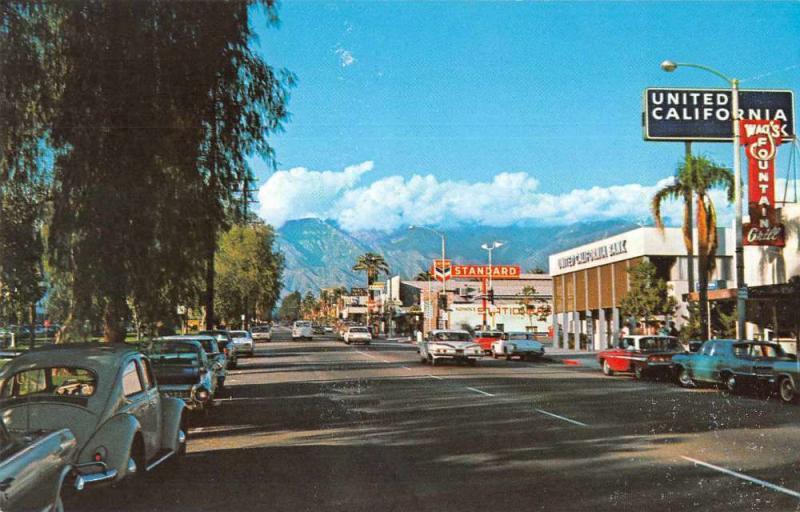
point(356, 334)
point(243, 342)
point(454, 345)
point(262, 333)
point(302, 329)
point(517, 344)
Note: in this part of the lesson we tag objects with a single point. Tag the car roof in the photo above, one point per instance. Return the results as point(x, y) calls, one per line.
point(640, 336)
point(188, 337)
point(460, 331)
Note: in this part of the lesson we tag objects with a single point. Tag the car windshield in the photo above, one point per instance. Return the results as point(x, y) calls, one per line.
point(239, 334)
point(302, 324)
point(519, 336)
point(260, 329)
point(358, 329)
point(451, 336)
point(660, 343)
point(51, 381)
point(493, 335)
point(184, 354)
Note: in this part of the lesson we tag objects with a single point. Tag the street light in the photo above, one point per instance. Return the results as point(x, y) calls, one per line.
point(489, 248)
point(441, 235)
point(741, 290)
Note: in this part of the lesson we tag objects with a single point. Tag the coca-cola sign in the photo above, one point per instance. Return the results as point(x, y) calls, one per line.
point(761, 139)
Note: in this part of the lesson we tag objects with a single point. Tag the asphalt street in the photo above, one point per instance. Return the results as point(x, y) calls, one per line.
point(318, 425)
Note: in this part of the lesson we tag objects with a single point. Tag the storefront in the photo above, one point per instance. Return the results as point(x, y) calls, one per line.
point(589, 281)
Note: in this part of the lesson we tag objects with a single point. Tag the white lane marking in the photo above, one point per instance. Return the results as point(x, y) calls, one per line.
point(406, 368)
point(365, 354)
point(574, 422)
point(479, 391)
point(436, 377)
point(744, 477)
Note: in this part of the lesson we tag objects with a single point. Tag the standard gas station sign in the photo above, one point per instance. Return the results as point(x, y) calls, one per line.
point(705, 114)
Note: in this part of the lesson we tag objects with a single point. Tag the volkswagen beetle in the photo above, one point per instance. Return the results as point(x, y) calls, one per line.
point(107, 396)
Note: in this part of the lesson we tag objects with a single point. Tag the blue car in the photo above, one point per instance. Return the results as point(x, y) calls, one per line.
point(731, 363)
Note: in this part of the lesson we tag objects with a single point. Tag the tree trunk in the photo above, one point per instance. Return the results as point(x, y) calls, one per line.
point(702, 261)
point(209, 299)
point(688, 222)
point(32, 320)
point(113, 328)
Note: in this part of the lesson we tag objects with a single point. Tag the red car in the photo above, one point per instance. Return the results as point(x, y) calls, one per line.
point(642, 355)
point(486, 338)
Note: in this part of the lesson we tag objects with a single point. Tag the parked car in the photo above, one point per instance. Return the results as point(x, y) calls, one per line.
point(357, 334)
point(454, 345)
point(218, 360)
point(731, 363)
point(517, 344)
point(783, 375)
point(486, 338)
point(302, 329)
point(225, 343)
point(107, 396)
point(644, 355)
point(34, 466)
point(262, 333)
point(183, 371)
point(317, 329)
point(327, 329)
point(243, 342)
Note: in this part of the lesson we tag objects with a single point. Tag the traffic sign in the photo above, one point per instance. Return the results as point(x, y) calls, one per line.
point(705, 114)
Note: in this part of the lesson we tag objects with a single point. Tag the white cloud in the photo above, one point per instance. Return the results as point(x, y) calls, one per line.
point(345, 57)
point(298, 193)
point(508, 198)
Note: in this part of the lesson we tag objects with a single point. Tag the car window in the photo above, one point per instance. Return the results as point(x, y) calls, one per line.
point(706, 348)
point(741, 350)
point(451, 336)
point(59, 381)
point(131, 384)
point(147, 374)
point(766, 350)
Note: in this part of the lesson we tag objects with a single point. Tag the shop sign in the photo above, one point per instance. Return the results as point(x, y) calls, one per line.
point(705, 114)
point(498, 272)
point(442, 270)
point(358, 292)
point(761, 140)
point(600, 252)
point(378, 286)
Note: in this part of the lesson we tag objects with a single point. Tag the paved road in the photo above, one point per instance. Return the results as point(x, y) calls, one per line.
point(316, 426)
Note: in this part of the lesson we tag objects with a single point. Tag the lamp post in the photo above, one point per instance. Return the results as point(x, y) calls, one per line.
point(489, 248)
point(444, 281)
point(741, 289)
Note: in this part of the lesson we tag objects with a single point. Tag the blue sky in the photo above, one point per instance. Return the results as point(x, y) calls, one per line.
point(545, 96)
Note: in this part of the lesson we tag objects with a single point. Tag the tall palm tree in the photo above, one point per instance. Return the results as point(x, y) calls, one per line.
point(373, 264)
point(695, 178)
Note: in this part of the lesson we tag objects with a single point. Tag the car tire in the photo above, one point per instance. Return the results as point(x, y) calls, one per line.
point(786, 390)
point(472, 362)
point(423, 360)
point(729, 381)
point(434, 362)
point(607, 368)
point(683, 378)
point(508, 357)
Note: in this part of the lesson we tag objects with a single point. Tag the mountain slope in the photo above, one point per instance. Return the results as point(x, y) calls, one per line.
point(320, 254)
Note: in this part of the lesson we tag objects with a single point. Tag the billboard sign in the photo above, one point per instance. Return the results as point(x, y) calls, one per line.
point(705, 114)
point(761, 140)
point(442, 270)
point(482, 271)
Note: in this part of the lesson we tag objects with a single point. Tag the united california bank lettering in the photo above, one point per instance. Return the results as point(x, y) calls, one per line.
point(600, 252)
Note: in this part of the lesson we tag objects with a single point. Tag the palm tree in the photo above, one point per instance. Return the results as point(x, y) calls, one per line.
point(425, 275)
point(373, 264)
point(695, 178)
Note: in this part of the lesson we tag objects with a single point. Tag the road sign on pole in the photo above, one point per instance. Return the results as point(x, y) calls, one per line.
point(705, 114)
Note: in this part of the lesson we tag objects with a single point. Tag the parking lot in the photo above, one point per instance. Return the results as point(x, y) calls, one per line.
point(317, 425)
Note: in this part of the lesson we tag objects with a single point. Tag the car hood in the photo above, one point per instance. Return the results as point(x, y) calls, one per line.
point(51, 415)
point(458, 345)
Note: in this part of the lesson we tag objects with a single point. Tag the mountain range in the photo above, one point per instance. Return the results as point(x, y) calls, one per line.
point(320, 254)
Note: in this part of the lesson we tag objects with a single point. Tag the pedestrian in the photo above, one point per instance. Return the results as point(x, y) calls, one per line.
point(624, 332)
point(672, 330)
point(664, 330)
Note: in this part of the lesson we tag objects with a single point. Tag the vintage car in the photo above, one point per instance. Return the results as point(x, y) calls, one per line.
point(34, 466)
point(454, 345)
point(243, 342)
point(107, 395)
point(644, 355)
point(357, 334)
point(782, 375)
point(517, 344)
point(486, 338)
point(217, 359)
point(262, 333)
point(183, 371)
point(225, 344)
point(731, 363)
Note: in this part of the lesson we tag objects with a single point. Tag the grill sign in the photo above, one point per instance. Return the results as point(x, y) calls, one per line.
point(705, 114)
point(761, 139)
